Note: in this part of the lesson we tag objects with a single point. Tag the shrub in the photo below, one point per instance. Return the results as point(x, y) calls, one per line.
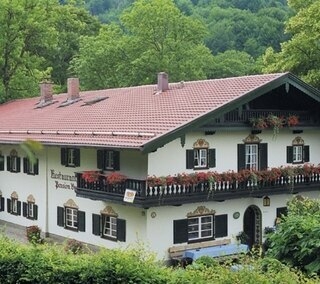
point(74, 246)
point(34, 234)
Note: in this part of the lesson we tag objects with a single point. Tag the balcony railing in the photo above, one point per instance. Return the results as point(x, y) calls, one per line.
point(177, 194)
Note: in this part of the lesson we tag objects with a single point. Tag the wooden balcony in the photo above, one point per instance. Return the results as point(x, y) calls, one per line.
point(180, 194)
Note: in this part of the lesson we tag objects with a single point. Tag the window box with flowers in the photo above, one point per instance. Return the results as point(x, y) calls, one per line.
point(91, 176)
point(115, 178)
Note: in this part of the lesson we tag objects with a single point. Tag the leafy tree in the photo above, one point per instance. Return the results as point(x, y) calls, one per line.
point(300, 54)
point(24, 36)
point(296, 239)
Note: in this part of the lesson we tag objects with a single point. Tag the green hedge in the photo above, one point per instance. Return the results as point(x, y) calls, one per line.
point(20, 263)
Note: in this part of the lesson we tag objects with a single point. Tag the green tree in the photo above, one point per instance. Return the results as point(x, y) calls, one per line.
point(300, 54)
point(24, 36)
point(296, 239)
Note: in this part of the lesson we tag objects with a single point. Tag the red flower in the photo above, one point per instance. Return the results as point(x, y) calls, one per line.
point(90, 176)
point(116, 178)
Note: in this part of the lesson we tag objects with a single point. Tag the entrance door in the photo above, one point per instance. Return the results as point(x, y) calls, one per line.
point(252, 225)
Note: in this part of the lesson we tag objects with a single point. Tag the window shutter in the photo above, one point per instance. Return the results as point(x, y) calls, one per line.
point(306, 153)
point(241, 157)
point(180, 231)
point(24, 209)
point(96, 224)
point(100, 159)
point(190, 159)
point(60, 216)
point(19, 207)
point(9, 163)
point(18, 164)
point(282, 211)
point(81, 221)
point(263, 156)
point(212, 158)
point(2, 204)
point(35, 212)
point(36, 167)
point(77, 157)
point(9, 205)
point(121, 230)
point(116, 160)
point(289, 154)
point(25, 165)
point(1, 163)
point(63, 156)
point(221, 226)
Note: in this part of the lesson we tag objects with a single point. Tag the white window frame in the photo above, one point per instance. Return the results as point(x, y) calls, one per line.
point(30, 206)
point(71, 217)
point(200, 158)
point(251, 156)
point(14, 163)
point(70, 157)
point(199, 229)
point(297, 151)
point(109, 226)
point(109, 160)
point(14, 205)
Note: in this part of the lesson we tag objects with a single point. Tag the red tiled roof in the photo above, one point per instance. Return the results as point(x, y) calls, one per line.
point(128, 118)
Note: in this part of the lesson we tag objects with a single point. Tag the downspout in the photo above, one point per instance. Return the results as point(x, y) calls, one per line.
point(47, 197)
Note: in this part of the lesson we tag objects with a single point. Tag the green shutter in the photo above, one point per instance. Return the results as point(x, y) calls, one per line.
point(189, 159)
point(18, 164)
point(100, 159)
point(2, 204)
point(263, 156)
point(121, 230)
point(60, 216)
point(180, 231)
point(241, 157)
point(8, 205)
point(9, 163)
point(36, 167)
point(212, 158)
point(306, 153)
point(25, 165)
point(116, 160)
point(19, 208)
point(77, 157)
point(289, 154)
point(24, 209)
point(81, 221)
point(1, 163)
point(282, 211)
point(63, 156)
point(221, 225)
point(96, 224)
point(35, 212)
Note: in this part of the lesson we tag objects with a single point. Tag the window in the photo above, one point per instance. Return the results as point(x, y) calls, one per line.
point(13, 162)
point(1, 202)
point(70, 157)
point(107, 225)
point(298, 153)
point(199, 228)
point(70, 217)
point(252, 154)
point(108, 160)
point(201, 157)
point(1, 162)
point(29, 167)
point(13, 204)
point(30, 209)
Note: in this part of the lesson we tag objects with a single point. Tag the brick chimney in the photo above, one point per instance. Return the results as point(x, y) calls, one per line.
point(163, 83)
point(46, 92)
point(73, 89)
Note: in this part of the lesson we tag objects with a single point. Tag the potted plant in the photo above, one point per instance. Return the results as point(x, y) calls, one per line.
point(275, 122)
point(90, 176)
point(115, 178)
point(292, 120)
point(258, 122)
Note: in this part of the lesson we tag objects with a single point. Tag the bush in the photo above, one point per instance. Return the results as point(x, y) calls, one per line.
point(34, 234)
point(74, 246)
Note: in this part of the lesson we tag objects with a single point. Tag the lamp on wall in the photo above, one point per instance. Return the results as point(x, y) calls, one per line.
point(266, 201)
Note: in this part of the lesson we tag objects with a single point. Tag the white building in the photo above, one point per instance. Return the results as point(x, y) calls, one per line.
point(165, 130)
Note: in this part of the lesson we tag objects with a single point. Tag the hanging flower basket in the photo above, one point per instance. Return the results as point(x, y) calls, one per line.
point(292, 120)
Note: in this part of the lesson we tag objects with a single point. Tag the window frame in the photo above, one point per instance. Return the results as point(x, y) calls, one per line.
point(30, 168)
point(251, 155)
point(297, 154)
point(200, 155)
point(108, 160)
point(61, 219)
point(73, 213)
point(13, 162)
point(198, 228)
point(111, 221)
point(30, 210)
point(70, 157)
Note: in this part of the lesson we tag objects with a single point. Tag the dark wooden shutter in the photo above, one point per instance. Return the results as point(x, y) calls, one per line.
point(306, 153)
point(35, 212)
point(282, 211)
point(2, 204)
point(263, 156)
point(96, 224)
point(189, 159)
point(36, 167)
point(81, 221)
point(63, 155)
point(180, 231)
point(116, 160)
point(241, 157)
point(24, 209)
point(18, 164)
point(121, 230)
point(25, 165)
point(212, 158)
point(77, 157)
point(289, 154)
point(221, 225)
point(1, 163)
point(8, 205)
point(100, 159)
point(18, 207)
point(9, 163)
point(60, 216)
